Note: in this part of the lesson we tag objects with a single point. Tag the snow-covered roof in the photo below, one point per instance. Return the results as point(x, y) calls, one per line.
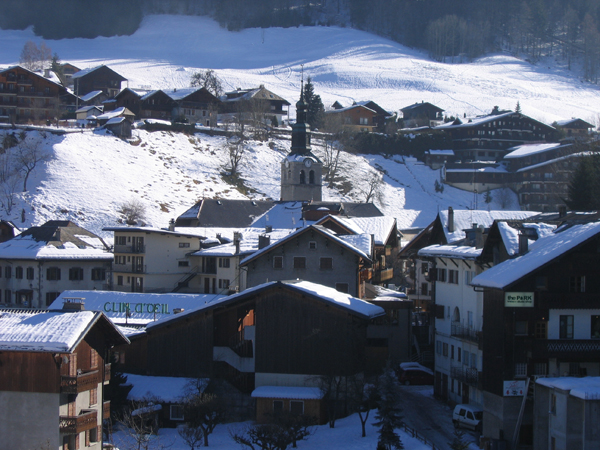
point(115, 113)
point(356, 305)
point(542, 252)
point(43, 331)
point(178, 94)
point(26, 247)
point(553, 161)
point(86, 71)
point(440, 152)
point(90, 95)
point(348, 108)
point(163, 389)
point(380, 227)
point(143, 307)
point(491, 168)
point(464, 219)
point(322, 230)
point(521, 151)
point(451, 251)
point(571, 122)
point(88, 108)
point(116, 120)
point(248, 244)
point(510, 235)
point(363, 242)
point(288, 392)
point(586, 388)
point(182, 231)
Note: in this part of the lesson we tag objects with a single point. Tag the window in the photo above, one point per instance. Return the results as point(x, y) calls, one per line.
point(341, 287)
point(452, 352)
point(8, 271)
point(75, 274)
point(183, 263)
point(184, 245)
point(595, 327)
point(299, 262)
point(120, 240)
point(277, 406)
point(441, 275)
point(577, 284)
point(223, 284)
point(120, 260)
point(566, 327)
point(296, 407)
point(302, 177)
point(363, 120)
point(453, 276)
point(474, 360)
point(520, 369)
point(98, 274)
point(438, 347)
point(176, 412)
point(53, 273)
point(7, 296)
point(19, 272)
point(93, 358)
point(50, 297)
point(326, 263)
point(445, 349)
point(29, 274)
point(312, 245)
point(311, 177)
point(541, 330)
point(224, 262)
point(466, 357)
point(93, 396)
point(459, 354)
point(277, 262)
point(120, 280)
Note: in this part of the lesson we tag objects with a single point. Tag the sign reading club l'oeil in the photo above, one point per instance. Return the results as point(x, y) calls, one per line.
point(518, 299)
point(158, 308)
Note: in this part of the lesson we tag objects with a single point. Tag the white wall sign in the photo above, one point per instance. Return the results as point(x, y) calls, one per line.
point(514, 388)
point(518, 299)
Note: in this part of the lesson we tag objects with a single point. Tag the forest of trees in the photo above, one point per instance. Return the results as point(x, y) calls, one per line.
point(450, 30)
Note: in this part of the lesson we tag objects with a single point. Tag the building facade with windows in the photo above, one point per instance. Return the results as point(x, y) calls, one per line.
point(40, 263)
point(52, 377)
point(153, 259)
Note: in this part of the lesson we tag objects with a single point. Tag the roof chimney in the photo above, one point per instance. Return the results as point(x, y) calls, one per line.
point(172, 225)
point(450, 219)
point(73, 304)
point(562, 210)
point(264, 241)
point(237, 238)
point(479, 236)
point(523, 243)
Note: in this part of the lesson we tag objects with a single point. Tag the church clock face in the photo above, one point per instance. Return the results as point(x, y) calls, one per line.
point(308, 162)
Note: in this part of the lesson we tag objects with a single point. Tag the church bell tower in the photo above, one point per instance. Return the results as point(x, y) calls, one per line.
point(301, 170)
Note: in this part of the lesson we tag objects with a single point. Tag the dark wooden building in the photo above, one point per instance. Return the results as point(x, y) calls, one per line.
point(100, 78)
point(421, 114)
point(541, 318)
point(28, 97)
point(53, 369)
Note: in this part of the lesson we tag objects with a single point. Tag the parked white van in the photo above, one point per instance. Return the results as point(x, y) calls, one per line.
point(467, 416)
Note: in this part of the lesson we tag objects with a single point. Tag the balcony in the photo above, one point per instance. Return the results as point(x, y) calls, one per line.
point(466, 374)
point(466, 333)
point(105, 410)
point(382, 275)
point(130, 249)
point(129, 268)
point(87, 420)
point(80, 383)
point(566, 348)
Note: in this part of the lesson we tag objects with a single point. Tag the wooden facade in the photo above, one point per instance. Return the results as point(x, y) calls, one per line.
point(356, 118)
point(101, 78)
point(28, 97)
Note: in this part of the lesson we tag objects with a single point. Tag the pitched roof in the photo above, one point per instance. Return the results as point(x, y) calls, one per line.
point(524, 150)
point(421, 105)
point(84, 72)
point(544, 251)
point(226, 213)
point(51, 331)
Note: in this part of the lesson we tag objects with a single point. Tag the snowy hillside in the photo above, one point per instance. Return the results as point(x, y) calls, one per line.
point(89, 175)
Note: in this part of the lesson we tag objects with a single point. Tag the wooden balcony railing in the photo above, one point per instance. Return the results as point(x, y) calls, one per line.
point(87, 420)
point(80, 383)
point(106, 410)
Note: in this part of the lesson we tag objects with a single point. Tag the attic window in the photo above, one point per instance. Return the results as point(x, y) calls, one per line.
point(312, 245)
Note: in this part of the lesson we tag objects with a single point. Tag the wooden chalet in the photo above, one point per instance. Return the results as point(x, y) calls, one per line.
point(358, 118)
point(286, 333)
point(100, 78)
point(53, 370)
point(421, 114)
point(247, 104)
point(540, 318)
point(28, 97)
point(488, 138)
point(575, 127)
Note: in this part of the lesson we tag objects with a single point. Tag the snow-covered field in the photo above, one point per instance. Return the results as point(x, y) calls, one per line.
point(91, 175)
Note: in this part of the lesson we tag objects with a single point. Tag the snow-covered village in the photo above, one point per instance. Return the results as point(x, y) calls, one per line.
point(312, 236)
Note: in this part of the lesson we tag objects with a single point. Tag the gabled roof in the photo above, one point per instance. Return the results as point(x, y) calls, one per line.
point(226, 213)
point(451, 251)
point(90, 95)
point(477, 121)
point(35, 74)
point(375, 107)
point(522, 151)
point(85, 72)
point(259, 93)
point(543, 252)
point(574, 123)
point(415, 106)
point(349, 108)
point(354, 305)
point(52, 331)
point(115, 113)
point(358, 244)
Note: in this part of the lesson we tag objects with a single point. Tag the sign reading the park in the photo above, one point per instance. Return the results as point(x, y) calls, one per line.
point(518, 299)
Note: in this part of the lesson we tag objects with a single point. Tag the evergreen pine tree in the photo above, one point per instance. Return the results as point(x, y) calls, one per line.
point(315, 109)
point(388, 413)
point(518, 108)
point(488, 197)
point(584, 188)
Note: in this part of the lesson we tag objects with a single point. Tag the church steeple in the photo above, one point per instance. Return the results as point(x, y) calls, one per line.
point(301, 130)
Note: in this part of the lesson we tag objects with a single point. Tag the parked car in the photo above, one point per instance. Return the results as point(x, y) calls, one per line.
point(467, 416)
point(415, 373)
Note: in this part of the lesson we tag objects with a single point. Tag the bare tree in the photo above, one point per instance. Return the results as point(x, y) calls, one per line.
point(139, 424)
point(192, 436)
point(34, 58)
point(285, 430)
point(333, 144)
point(332, 389)
point(372, 189)
point(364, 396)
point(132, 211)
point(236, 147)
point(29, 153)
point(207, 79)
